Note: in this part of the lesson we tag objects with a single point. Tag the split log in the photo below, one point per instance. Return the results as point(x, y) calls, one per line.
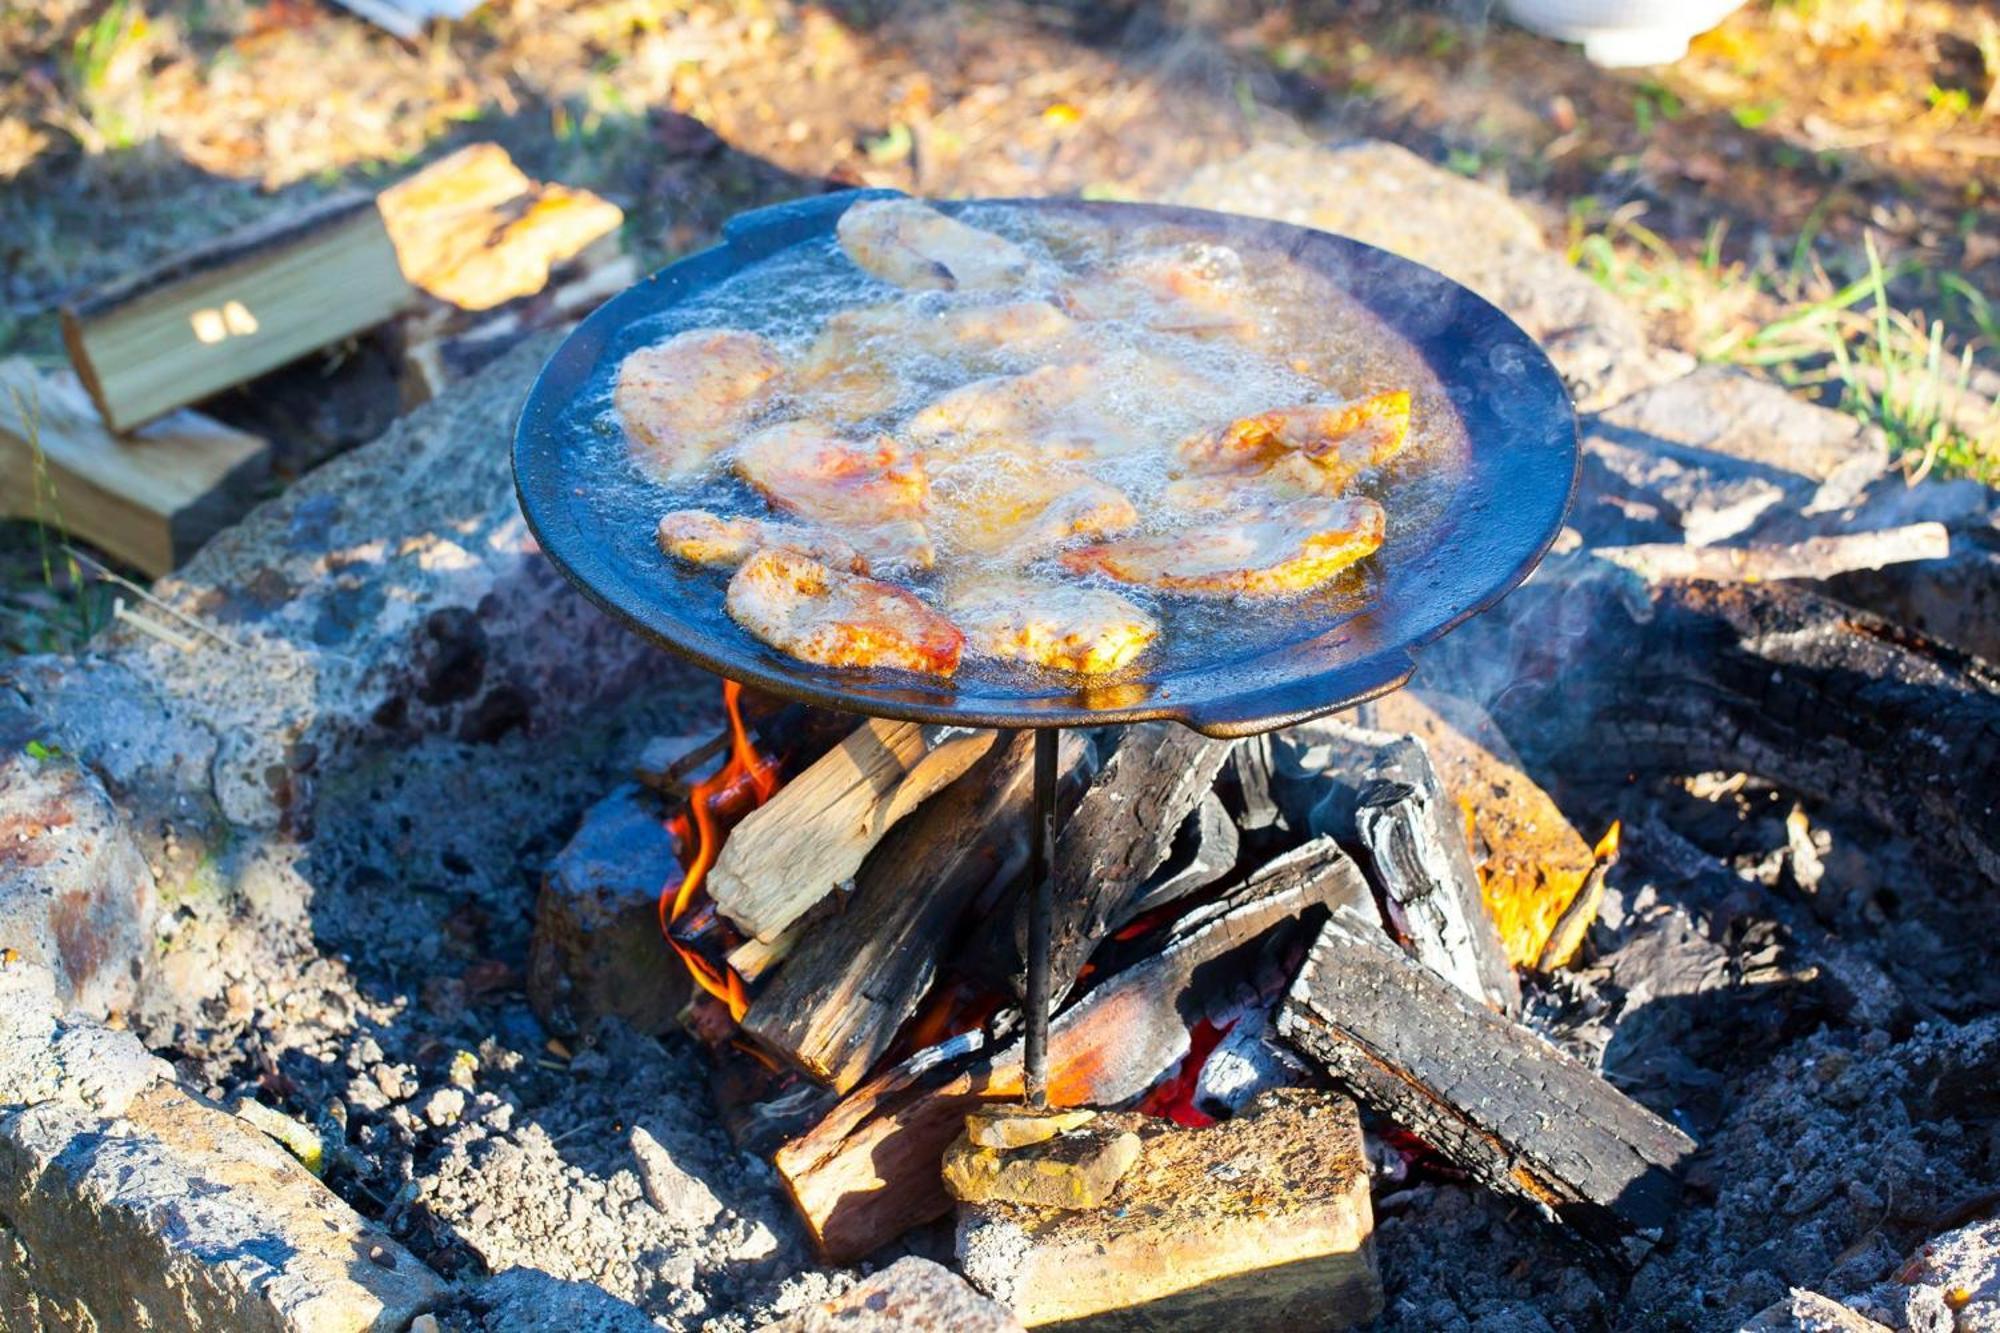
point(1415, 838)
point(869, 1171)
point(851, 982)
point(1532, 862)
point(1521, 1116)
point(1120, 833)
point(813, 835)
point(473, 230)
point(231, 310)
point(1250, 772)
point(1204, 853)
point(1813, 558)
point(1773, 679)
point(149, 499)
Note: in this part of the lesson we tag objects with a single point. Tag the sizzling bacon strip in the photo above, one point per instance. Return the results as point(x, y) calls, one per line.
point(817, 614)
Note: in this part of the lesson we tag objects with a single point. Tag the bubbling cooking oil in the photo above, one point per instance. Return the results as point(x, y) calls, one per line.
point(1313, 344)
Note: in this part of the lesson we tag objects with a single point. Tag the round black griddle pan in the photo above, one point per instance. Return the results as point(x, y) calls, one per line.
point(1503, 514)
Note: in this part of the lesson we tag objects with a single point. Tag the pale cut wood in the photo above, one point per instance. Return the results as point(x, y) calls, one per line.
point(790, 853)
point(1517, 1113)
point(473, 230)
point(1415, 838)
point(230, 311)
point(869, 1171)
point(851, 982)
point(149, 499)
point(1813, 558)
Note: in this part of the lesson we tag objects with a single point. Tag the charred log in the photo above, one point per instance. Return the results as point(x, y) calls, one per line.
point(1521, 1116)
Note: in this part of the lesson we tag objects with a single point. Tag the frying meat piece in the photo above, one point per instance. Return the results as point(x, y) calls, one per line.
point(1194, 289)
point(817, 614)
point(913, 245)
point(1075, 410)
point(1088, 630)
point(702, 538)
point(1308, 449)
point(1289, 548)
point(683, 399)
point(849, 372)
point(1020, 506)
point(875, 494)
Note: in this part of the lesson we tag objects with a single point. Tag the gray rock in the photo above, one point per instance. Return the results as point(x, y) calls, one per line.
point(177, 1217)
point(523, 1300)
point(76, 895)
point(684, 1200)
point(1718, 411)
point(46, 1059)
point(911, 1296)
point(1805, 1311)
point(1472, 233)
point(1958, 1272)
point(597, 950)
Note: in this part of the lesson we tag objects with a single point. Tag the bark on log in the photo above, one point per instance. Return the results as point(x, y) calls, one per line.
point(1119, 834)
point(850, 983)
point(869, 1171)
point(1518, 1114)
point(1813, 558)
point(1415, 837)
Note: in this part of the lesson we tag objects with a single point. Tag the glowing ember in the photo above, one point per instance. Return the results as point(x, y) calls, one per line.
point(745, 782)
point(1172, 1098)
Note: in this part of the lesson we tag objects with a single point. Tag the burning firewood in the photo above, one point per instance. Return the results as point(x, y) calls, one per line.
point(1534, 861)
point(869, 1170)
point(1121, 832)
point(849, 985)
point(813, 835)
point(1416, 839)
point(1517, 1113)
point(1204, 851)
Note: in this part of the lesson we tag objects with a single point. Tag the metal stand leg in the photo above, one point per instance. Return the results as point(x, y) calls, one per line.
point(1041, 914)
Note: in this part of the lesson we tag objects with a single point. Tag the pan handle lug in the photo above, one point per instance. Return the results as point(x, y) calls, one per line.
point(765, 231)
point(1298, 701)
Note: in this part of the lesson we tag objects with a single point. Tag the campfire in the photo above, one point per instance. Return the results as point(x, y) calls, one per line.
point(1238, 928)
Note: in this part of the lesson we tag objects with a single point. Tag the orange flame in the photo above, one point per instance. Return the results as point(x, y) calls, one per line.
point(1606, 850)
point(745, 768)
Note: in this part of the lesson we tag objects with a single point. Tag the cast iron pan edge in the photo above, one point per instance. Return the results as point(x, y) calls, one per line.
point(1520, 480)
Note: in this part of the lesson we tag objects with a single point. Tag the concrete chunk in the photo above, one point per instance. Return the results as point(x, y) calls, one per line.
point(211, 1227)
point(1262, 1221)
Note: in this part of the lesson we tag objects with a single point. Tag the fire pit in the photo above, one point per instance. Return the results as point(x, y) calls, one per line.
point(1504, 514)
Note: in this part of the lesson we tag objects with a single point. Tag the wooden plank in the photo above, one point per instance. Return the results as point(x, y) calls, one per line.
point(850, 983)
point(1415, 838)
point(149, 499)
point(1813, 558)
point(813, 835)
point(231, 310)
point(869, 1171)
point(1517, 1113)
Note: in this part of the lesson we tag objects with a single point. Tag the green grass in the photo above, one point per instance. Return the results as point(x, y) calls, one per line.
point(45, 599)
point(1851, 345)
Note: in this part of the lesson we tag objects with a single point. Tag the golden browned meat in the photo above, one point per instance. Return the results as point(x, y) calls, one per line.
point(849, 372)
point(683, 399)
point(1287, 548)
point(1339, 443)
point(873, 493)
point(913, 245)
point(1018, 507)
point(1061, 626)
point(702, 538)
point(817, 614)
point(1195, 289)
